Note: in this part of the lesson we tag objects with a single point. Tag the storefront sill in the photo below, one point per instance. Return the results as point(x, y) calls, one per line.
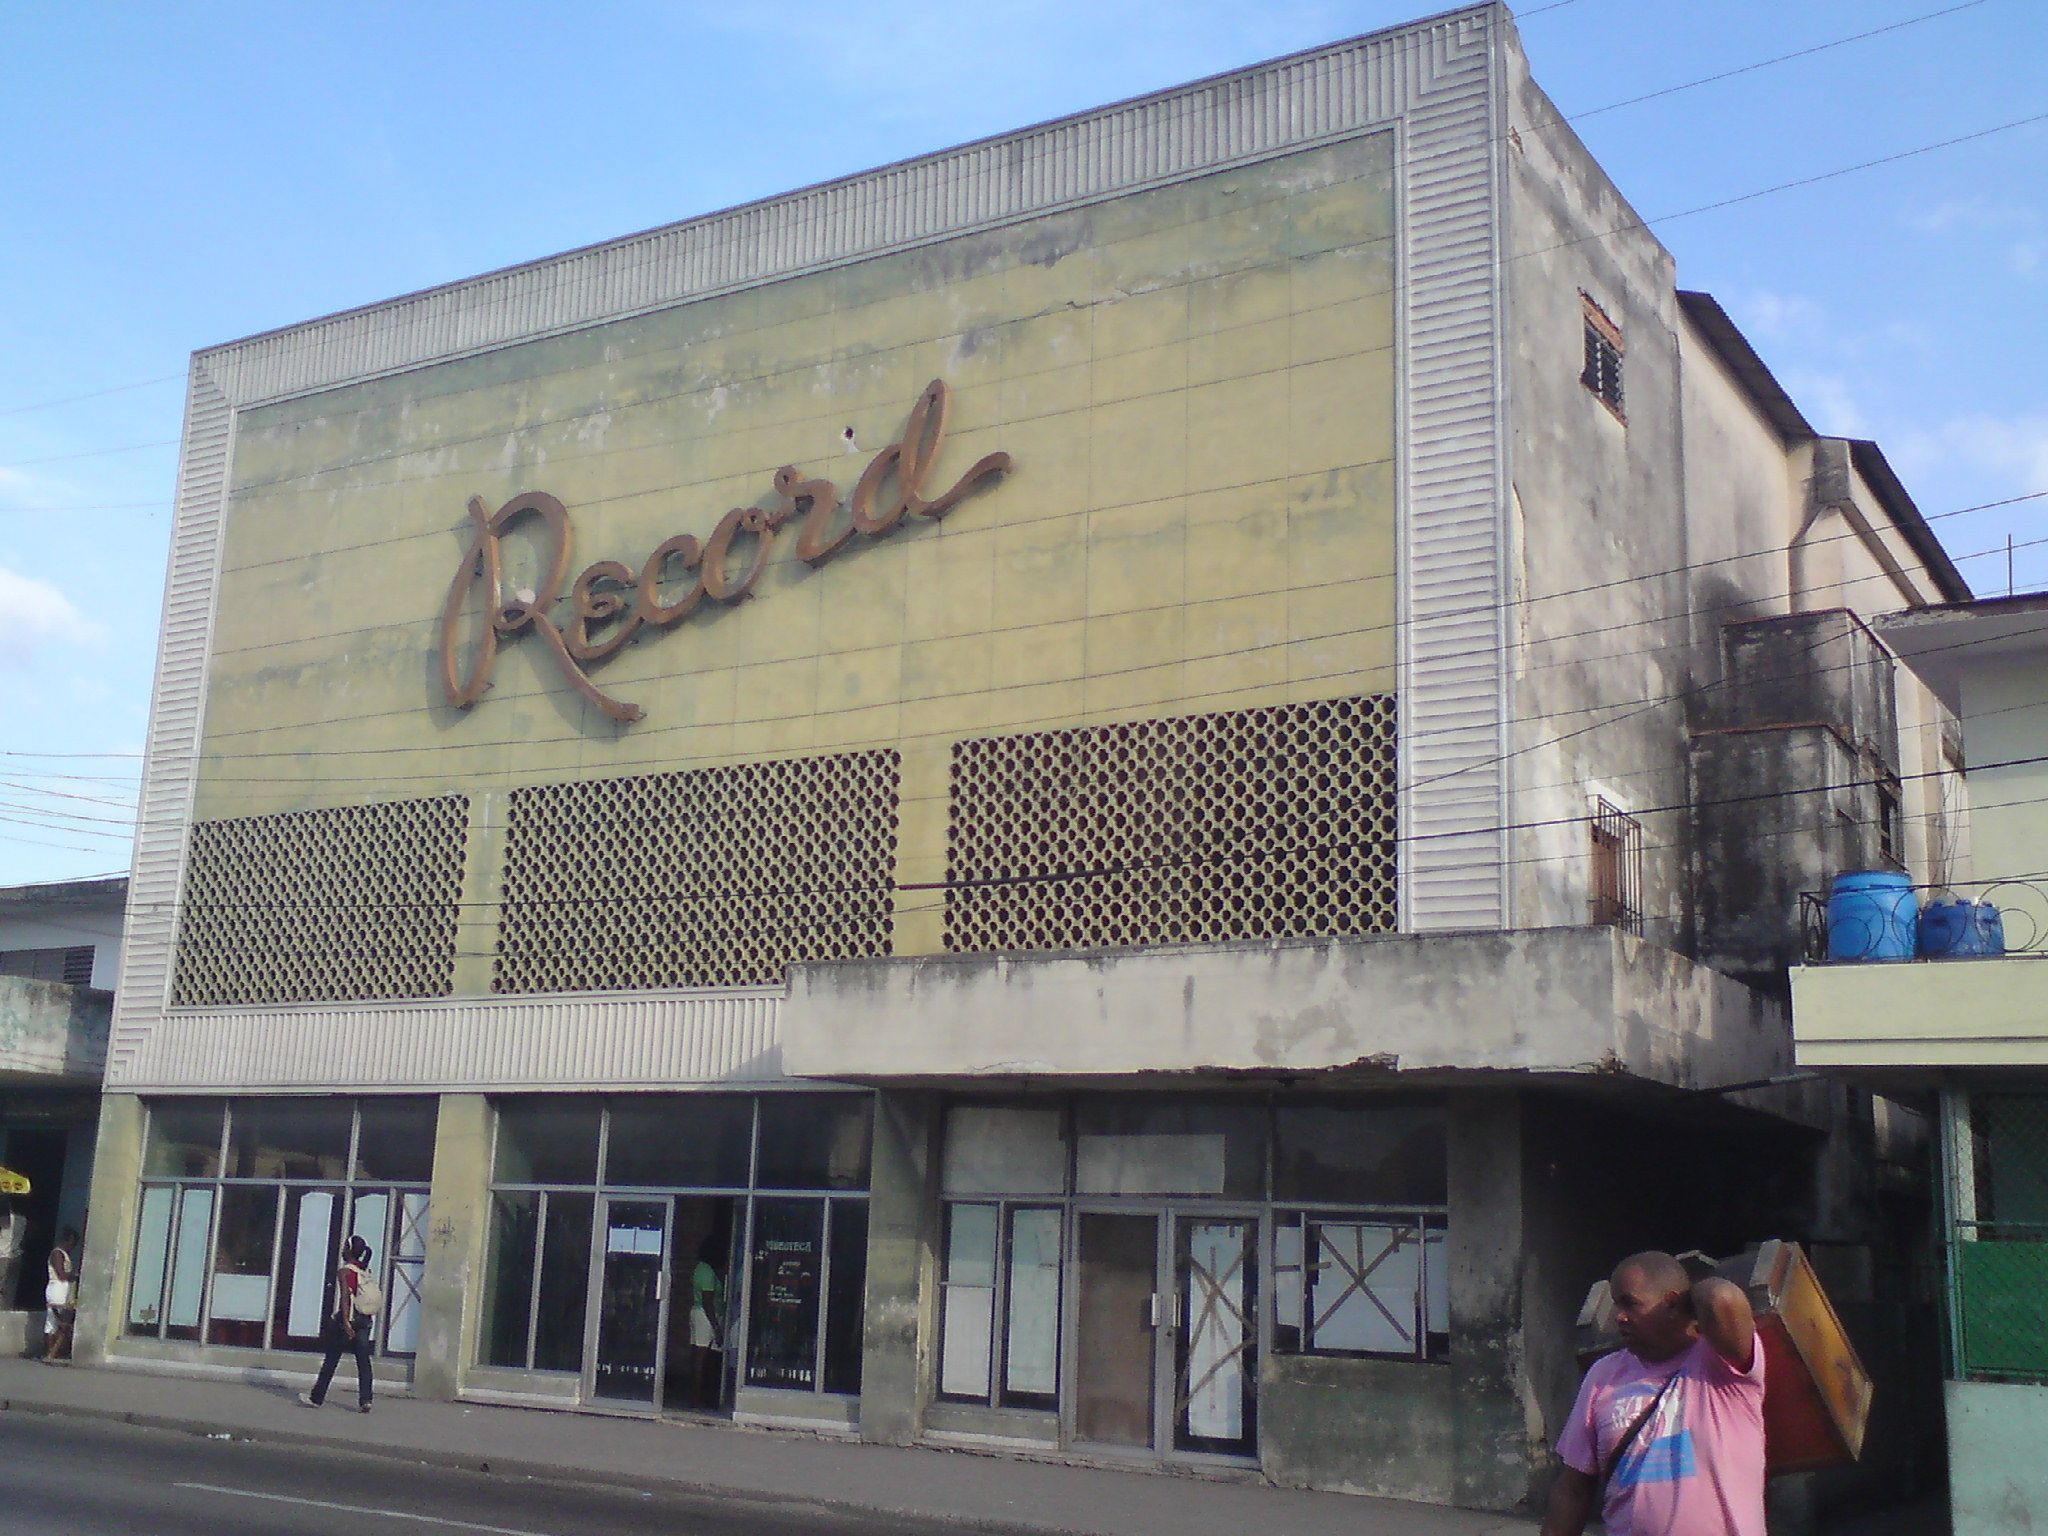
point(260, 1369)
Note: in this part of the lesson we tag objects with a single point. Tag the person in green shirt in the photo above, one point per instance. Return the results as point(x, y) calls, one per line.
point(707, 1320)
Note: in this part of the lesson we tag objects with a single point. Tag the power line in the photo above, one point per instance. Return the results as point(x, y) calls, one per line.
point(1104, 674)
point(1782, 58)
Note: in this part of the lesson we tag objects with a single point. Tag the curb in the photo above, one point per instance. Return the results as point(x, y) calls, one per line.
point(536, 1471)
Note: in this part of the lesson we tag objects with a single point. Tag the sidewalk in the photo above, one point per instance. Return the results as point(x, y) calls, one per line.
point(736, 1463)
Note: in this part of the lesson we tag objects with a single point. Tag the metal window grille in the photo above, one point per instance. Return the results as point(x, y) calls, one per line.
point(1602, 371)
point(1616, 869)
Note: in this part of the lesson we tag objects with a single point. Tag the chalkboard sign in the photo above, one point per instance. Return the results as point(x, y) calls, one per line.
point(782, 1315)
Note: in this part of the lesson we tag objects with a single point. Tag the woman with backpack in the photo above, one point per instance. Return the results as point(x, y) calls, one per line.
point(357, 1301)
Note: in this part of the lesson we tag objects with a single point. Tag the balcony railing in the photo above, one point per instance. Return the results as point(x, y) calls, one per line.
point(2015, 911)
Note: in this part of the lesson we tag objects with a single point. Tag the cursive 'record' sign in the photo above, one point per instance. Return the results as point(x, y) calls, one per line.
point(609, 602)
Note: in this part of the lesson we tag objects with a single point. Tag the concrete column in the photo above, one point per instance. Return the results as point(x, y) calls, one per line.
point(458, 1225)
point(902, 1246)
point(1492, 1405)
point(110, 1235)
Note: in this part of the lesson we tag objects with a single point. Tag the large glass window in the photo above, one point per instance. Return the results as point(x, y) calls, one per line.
point(1387, 1155)
point(816, 1141)
point(795, 1319)
point(239, 1247)
point(1352, 1199)
point(698, 1141)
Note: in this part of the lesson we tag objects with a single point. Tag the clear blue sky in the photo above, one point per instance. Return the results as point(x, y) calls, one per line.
point(179, 175)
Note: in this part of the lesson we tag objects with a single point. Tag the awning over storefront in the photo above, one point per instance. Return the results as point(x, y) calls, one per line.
point(1574, 1002)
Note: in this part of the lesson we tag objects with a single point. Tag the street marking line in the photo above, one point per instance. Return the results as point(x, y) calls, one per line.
point(361, 1509)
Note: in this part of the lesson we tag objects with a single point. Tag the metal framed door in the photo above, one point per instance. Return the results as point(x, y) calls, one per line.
point(1113, 1332)
point(628, 1316)
point(1215, 1344)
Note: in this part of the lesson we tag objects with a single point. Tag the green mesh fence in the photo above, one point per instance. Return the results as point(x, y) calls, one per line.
point(2001, 1259)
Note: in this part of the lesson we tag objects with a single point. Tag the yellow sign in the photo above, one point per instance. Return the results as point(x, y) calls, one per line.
point(12, 1183)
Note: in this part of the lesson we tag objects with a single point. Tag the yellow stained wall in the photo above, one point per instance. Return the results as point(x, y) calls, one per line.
point(1196, 385)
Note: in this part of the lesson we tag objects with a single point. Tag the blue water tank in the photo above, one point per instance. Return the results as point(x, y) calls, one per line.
point(1958, 929)
point(1872, 915)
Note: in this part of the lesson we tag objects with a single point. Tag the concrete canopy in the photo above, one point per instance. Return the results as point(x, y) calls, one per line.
point(1570, 1003)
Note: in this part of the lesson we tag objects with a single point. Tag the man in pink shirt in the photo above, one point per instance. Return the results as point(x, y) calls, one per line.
point(1667, 1435)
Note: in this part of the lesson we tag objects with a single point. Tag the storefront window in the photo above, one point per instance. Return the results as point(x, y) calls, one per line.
point(547, 1141)
point(815, 1141)
point(788, 1258)
point(243, 1251)
point(564, 1282)
point(394, 1142)
point(508, 1282)
point(683, 1171)
point(1350, 1214)
point(290, 1139)
point(846, 1295)
point(702, 1141)
point(1141, 1147)
point(1382, 1155)
point(184, 1139)
point(241, 1265)
point(1372, 1284)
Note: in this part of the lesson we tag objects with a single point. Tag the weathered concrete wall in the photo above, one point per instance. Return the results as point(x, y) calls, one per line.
point(66, 914)
point(49, 1030)
point(1383, 1427)
point(1585, 1000)
point(1195, 384)
point(110, 1243)
point(896, 1348)
point(2007, 722)
point(1998, 1479)
point(1784, 770)
point(451, 1291)
point(1597, 505)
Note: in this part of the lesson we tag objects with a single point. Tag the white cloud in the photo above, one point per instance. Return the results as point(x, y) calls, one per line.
point(2002, 449)
point(2021, 227)
point(1778, 316)
point(1829, 401)
point(35, 613)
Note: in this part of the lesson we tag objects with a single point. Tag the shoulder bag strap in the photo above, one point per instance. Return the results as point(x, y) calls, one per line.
point(1635, 1429)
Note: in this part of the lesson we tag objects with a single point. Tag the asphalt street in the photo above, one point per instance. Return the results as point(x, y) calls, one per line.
point(60, 1476)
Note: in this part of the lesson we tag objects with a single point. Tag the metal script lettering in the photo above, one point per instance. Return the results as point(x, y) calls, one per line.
point(610, 603)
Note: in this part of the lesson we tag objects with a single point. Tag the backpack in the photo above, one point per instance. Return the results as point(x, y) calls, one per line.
point(369, 1299)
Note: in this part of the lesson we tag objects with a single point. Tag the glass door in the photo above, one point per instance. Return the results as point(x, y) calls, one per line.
point(1116, 1320)
point(1215, 1346)
point(632, 1279)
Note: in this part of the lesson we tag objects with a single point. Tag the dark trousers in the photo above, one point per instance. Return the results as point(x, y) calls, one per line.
point(339, 1344)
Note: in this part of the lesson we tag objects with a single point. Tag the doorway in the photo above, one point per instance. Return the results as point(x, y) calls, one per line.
point(629, 1319)
point(39, 1154)
point(1164, 1360)
point(702, 1347)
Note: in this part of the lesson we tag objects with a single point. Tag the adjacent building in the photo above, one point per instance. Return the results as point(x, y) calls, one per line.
point(1119, 792)
point(1971, 1033)
point(60, 951)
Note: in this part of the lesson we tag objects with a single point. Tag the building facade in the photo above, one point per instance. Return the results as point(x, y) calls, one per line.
point(1970, 1034)
point(60, 952)
point(1040, 798)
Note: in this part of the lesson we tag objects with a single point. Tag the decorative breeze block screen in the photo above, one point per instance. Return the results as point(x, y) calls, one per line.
point(1253, 824)
point(719, 877)
point(322, 906)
